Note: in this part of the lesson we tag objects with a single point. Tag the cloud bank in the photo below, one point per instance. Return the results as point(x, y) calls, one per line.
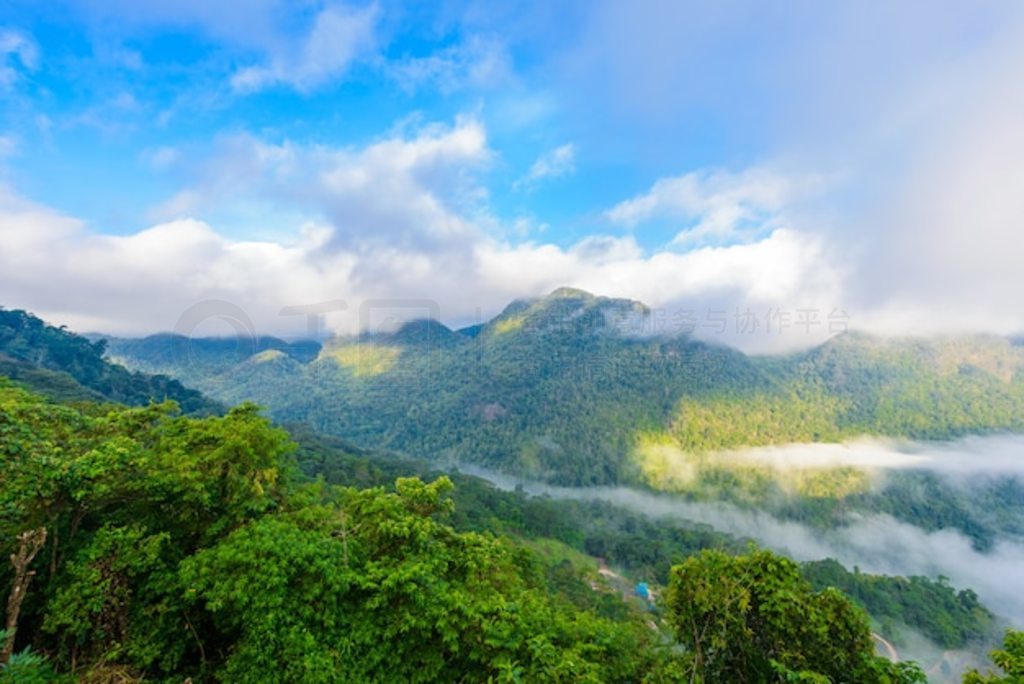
point(799, 172)
point(404, 217)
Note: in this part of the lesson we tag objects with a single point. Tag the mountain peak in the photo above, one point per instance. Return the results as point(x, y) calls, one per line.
point(425, 331)
point(566, 309)
point(571, 293)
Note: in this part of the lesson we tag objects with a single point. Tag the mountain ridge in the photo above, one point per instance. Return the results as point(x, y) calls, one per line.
point(555, 390)
point(64, 366)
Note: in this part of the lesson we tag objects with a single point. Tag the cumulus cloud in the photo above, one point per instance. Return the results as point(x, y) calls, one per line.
point(405, 216)
point(17, 52)
point(924, 130)
point(338, 37)
point(143, 281)
point(400, 193)
point(716, 205)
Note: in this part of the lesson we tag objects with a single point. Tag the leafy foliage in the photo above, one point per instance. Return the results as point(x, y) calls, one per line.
point(753, 618)
point(949, 618)
point(26, 667)
point(184, 546)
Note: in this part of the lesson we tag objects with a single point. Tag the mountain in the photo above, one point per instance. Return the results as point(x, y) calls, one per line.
point(250, 498)
point(196, 551)
point(557, 389)
point(68, 367)
point(192, 358)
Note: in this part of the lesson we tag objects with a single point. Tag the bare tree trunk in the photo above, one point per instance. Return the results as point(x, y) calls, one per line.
point(29, 544)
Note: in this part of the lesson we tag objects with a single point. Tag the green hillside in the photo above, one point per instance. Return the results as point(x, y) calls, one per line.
point(553, 389)
point(65, 366)
point(165, 547)
point(168, 546)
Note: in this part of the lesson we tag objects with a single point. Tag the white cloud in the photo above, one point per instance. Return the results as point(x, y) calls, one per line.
point(409, 191)
point(17, 52)
point(556, 163)
point(716, 205)
point(783, 268)
point(340, 35)
point(141, 283)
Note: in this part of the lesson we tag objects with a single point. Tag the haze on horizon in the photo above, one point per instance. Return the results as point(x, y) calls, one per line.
point(863, 157)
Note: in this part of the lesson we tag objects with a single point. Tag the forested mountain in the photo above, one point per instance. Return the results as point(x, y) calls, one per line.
point(63, 365)
point(558, 389)
point(148, 545)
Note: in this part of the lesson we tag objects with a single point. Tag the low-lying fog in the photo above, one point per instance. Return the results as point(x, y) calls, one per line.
point(876, 543)
point(999, 455)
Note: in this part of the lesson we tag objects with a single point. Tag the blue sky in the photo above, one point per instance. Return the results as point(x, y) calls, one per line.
point(731, 154)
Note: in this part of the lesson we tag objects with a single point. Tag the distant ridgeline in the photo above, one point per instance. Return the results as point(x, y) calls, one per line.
point(68, 367)
point(557, 389)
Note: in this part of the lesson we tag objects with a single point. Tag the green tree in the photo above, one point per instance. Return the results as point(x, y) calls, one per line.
point(379, 589)
point(753, 618)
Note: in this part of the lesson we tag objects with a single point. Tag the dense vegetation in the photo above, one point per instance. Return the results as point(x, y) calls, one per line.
point(753, 618)
point(983, 508)
point(69, 367)
point(558, 390)
point(169, 546)
point(646, 549)
point(149, 544)
point(181, 546)
point(1009, 659)
point(948, 617)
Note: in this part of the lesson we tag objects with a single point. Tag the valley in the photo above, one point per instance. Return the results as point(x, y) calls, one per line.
point(926, 535)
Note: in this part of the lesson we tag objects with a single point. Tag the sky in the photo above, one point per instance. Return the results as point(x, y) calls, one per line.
point(789, 168)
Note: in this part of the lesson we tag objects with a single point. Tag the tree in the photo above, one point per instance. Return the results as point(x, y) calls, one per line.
point(377, 588)
point(753, 618)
